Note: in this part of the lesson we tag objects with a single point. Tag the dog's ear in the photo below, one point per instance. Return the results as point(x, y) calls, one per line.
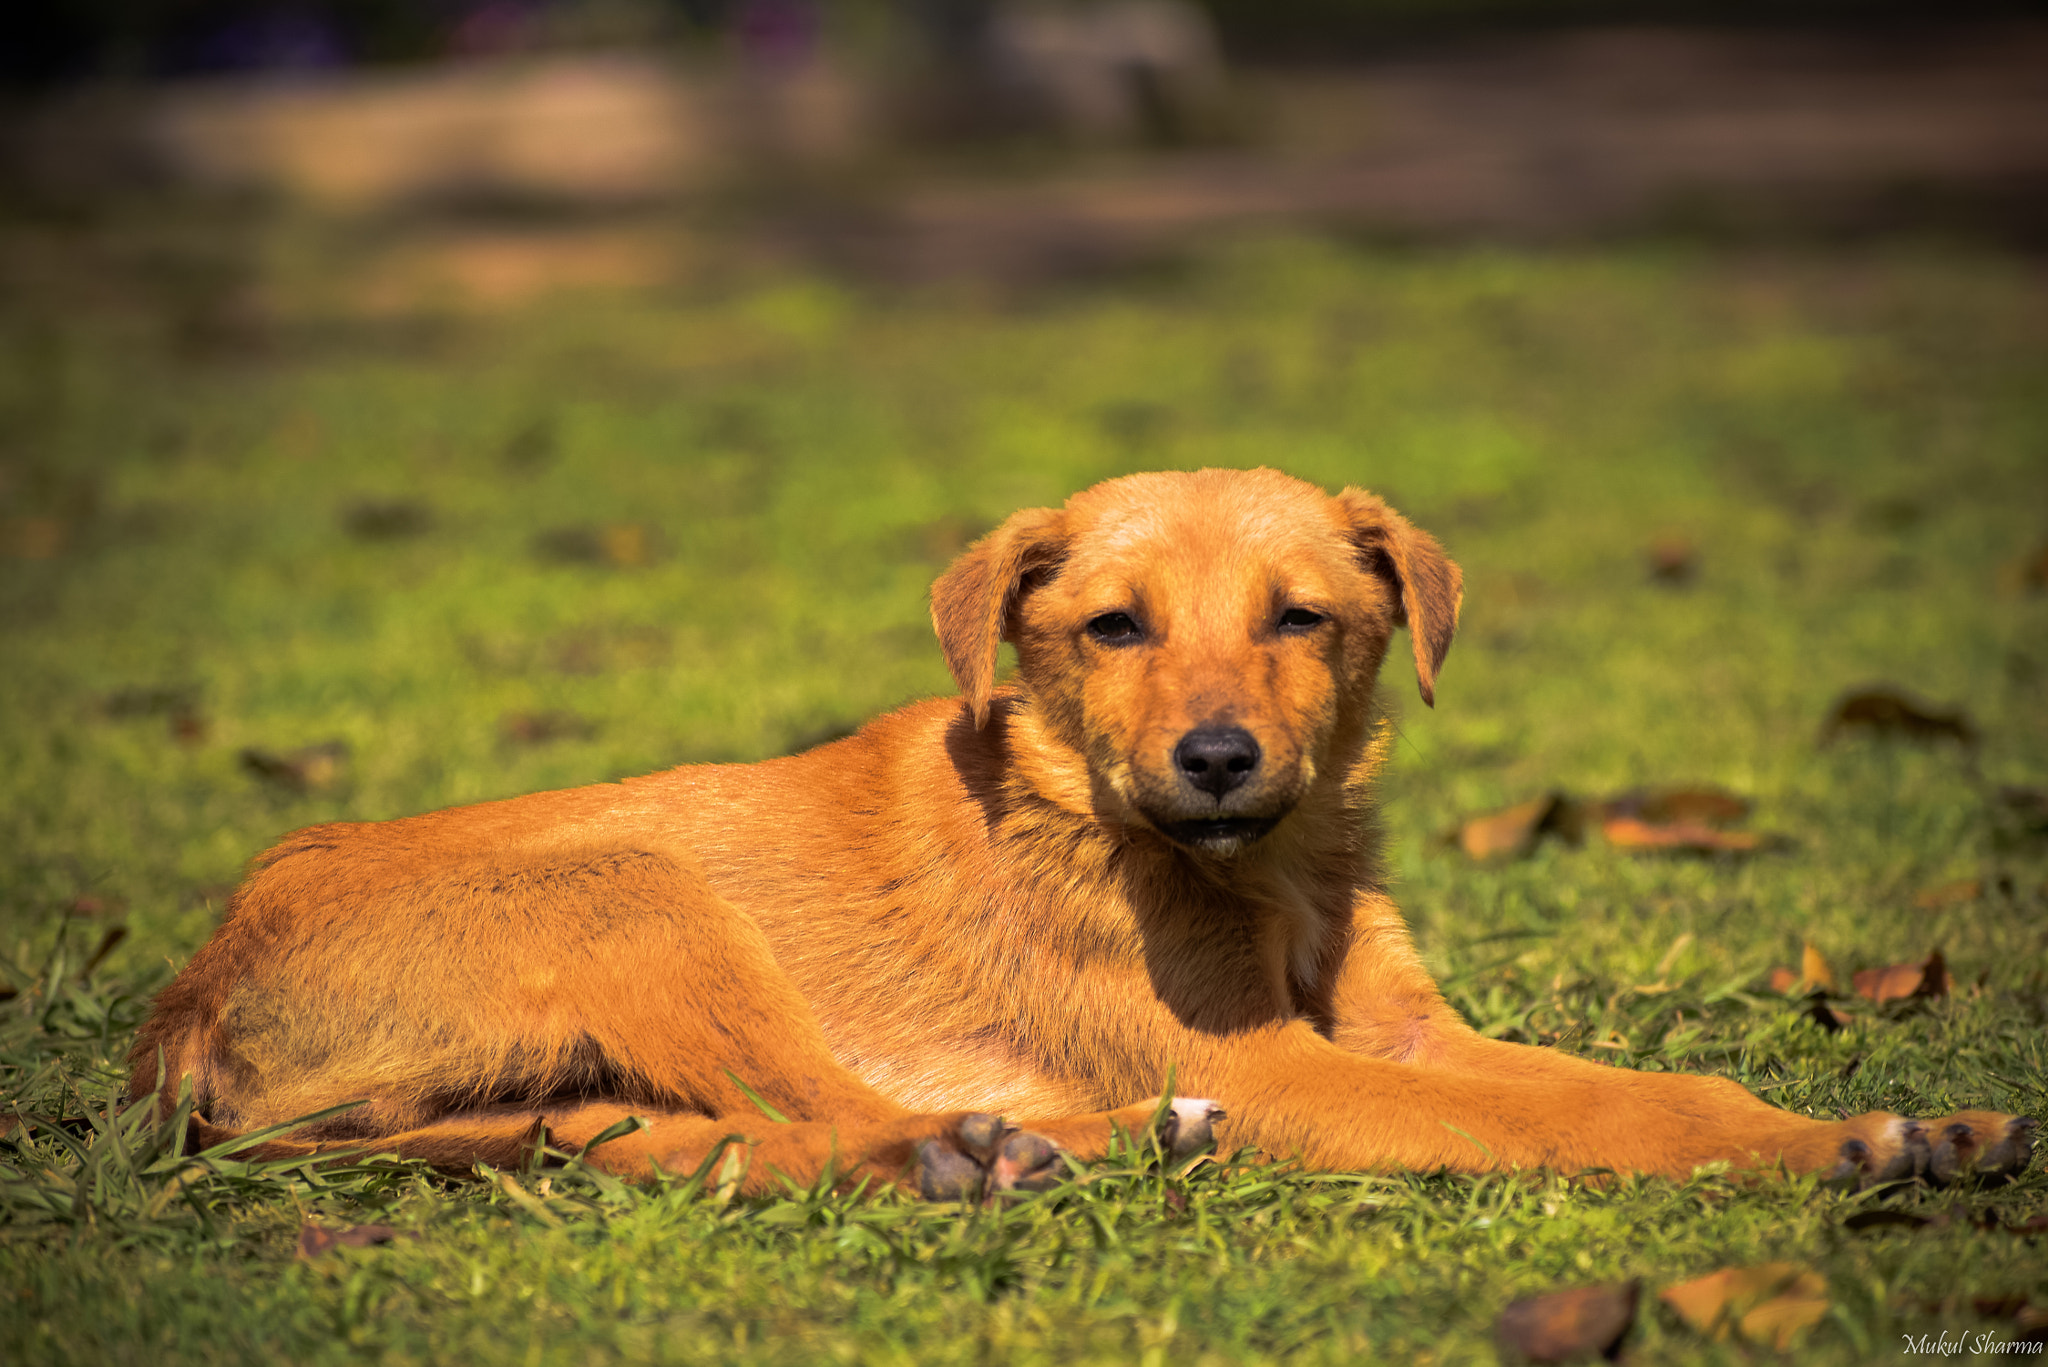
point(973, 601)
point(1428, 586)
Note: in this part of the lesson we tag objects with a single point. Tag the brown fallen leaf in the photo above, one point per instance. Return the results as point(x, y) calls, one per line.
point(1827, 1017)
point(1514, 831)
point(33, 538)
point(1900, 981)
point(1678, 837)
point(1884, 712)
point(620, 545)
point(1773, 1303)
point(1664, 806)
point(1781, 1320)
point(314, 769)
point(1814, 974)
point(1815, 970)
point(538, 728)
point(315, 1240)
point(2032, 569)
point(1568, 1326)
point(1949, 894)
point(386, 520)
point(1673, 561)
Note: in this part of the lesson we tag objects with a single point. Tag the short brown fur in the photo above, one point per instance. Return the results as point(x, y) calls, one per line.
point(972, 905)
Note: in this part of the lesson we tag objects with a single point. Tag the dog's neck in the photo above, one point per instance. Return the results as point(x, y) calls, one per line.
point(1283, 903)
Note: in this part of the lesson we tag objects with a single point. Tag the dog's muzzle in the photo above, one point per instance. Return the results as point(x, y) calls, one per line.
point(1220, 834)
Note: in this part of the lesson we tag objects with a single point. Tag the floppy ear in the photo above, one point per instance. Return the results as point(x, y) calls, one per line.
point(1428, 584)
point(972, 601)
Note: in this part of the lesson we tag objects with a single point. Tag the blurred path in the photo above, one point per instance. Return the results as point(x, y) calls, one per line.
point(1579, 134)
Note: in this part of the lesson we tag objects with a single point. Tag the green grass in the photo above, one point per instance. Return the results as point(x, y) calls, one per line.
point(1857, 445)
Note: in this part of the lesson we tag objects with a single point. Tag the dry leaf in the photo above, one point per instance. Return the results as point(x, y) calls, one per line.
point(315, 1240)
point(1883, 712)
point(314, 769)
point(1566, 1326)
point(1772, 1303)
point(1782, 1319)
point(1679, 837)
point(33, 538)
point(1900, 981)
point(1681, 820)
point(1814, 970)
point(1948, 894)
point(1513, 832)
point(1664, 806)
point(1814, 974)
point(538, 728)
point(2032, 569)
point(395, 520)
point(1673, 560)
point(1827, 1017)
point(620, 545)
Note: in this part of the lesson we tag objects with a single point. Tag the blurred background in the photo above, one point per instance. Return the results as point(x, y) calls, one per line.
point(409, 402)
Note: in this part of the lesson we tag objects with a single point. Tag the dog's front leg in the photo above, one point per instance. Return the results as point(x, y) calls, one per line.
point(1478, 1105)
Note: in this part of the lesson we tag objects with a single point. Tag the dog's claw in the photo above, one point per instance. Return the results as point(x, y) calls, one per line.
point(1848, 1170)
point(1028, 1162)
point(2008, 1157)
point(946, 1174)
point(980, 1133)
point(1955, 1155)
point(1910, 1161)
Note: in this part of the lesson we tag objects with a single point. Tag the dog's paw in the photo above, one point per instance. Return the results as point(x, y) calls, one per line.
point(1970, 1145)
point(983, 1157)
point(1979, 1144)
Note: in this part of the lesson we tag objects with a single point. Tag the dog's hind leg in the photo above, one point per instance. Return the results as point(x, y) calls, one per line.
point(469, 1002)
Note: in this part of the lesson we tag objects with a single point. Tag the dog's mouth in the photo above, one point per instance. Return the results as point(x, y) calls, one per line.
point(1219, 834)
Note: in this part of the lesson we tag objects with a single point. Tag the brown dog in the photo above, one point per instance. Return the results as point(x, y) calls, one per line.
point(1153, 852)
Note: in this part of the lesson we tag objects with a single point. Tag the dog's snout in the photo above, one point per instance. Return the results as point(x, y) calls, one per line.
point(1216, 759)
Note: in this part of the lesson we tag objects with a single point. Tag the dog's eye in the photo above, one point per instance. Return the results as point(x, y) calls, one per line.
point(1115, 628)
point(1300, 619)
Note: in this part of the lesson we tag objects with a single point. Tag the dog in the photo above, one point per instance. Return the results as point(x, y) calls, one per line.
point(1150, 855)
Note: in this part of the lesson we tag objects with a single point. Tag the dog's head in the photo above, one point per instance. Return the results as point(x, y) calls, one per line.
point(1206, 644)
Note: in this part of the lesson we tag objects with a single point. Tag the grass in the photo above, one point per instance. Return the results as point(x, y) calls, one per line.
point(601, 534)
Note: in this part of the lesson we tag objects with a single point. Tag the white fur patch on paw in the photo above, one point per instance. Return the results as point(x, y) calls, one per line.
point(1190, 1110)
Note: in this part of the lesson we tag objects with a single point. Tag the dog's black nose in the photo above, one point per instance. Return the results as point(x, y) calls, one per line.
point(1216, 759)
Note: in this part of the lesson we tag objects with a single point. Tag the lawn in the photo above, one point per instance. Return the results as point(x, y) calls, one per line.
point(276, 559)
